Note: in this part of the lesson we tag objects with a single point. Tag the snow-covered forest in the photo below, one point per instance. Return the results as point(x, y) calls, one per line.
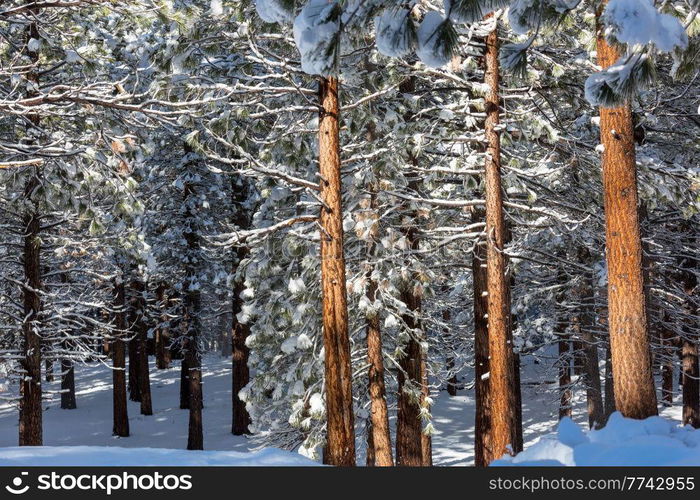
point(354, 232)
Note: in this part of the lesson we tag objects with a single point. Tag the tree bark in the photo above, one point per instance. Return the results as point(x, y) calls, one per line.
point(609, 385)
point(241, 352)
point(141, 327)
point(338, 373)
point(667, 342)
point(30, 424)
point(483, 451)
point(184, 384)
point(120, 414)
point(501, 362)
point(67, 385)
point(134, 363)
point(413, 447)
point(192, 360)
point(691, 387)
point(162, 339)
point(379, 433)
point(565, 394)
point(583, 325)
point(635, 396)
point(30, 413)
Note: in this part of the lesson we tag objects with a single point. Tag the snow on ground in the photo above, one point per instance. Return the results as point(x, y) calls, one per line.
point(655, 441)
point(156, 436)
point(116, 456)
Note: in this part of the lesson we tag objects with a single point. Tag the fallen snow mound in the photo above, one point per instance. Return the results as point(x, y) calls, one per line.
point(624, 441)
point(116, 456)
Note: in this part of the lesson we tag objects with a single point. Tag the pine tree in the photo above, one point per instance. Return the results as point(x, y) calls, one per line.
point(340, 448)
point(501, 361)
point(635, 395)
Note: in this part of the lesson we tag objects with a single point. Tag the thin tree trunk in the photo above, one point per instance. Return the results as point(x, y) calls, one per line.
point(162, 339)
point(67, 385)
point(340, 426)
point(501, 376)
point(667, 342)
point(379, 434)
point(635, 396)
point(583, 326)
point(142, 356)
point(483, 451)
point(426, 439)
point(691, 385)
point(48, 373)
point(609, 385)
point(184, 385)
point(450, 361)
point(565, 394)
point(409, 444)
point(120, 415)
point(134, 363)
point(412, 445)
point(241, 352)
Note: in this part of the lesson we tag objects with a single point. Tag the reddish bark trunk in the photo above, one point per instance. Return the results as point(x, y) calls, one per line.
point(635, 396)
point(338, 373)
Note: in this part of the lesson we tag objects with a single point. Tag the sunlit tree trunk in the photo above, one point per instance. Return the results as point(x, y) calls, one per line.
point(340, 434)
point(635, 396)
point(501, 361)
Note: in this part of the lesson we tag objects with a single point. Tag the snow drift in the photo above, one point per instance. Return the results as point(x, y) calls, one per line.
point(655, 441)
point(77, 456)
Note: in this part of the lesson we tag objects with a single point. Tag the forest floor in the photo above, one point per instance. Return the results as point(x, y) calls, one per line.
point(91, 423)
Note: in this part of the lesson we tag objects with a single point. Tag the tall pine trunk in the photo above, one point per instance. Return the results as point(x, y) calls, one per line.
point(635, 396)
point(501, 361)
point(120, 416)
point(192, 362)
point(30, 416)
point(340, 428)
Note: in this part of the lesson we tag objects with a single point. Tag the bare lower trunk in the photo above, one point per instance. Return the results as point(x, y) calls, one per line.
point(380, 437)
point(30, 423)
point(134, 366)
point(240, 354)
point(162, 334)
point(340, 433)
point(409, 445)
point(195, 436)
point(184, 385)
point(413, 447)
point(565, 395)
point(691, 386)
point(67, 385)
point(635, 396)
point(609, 386)
point(141, 332)
point(120, 416)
